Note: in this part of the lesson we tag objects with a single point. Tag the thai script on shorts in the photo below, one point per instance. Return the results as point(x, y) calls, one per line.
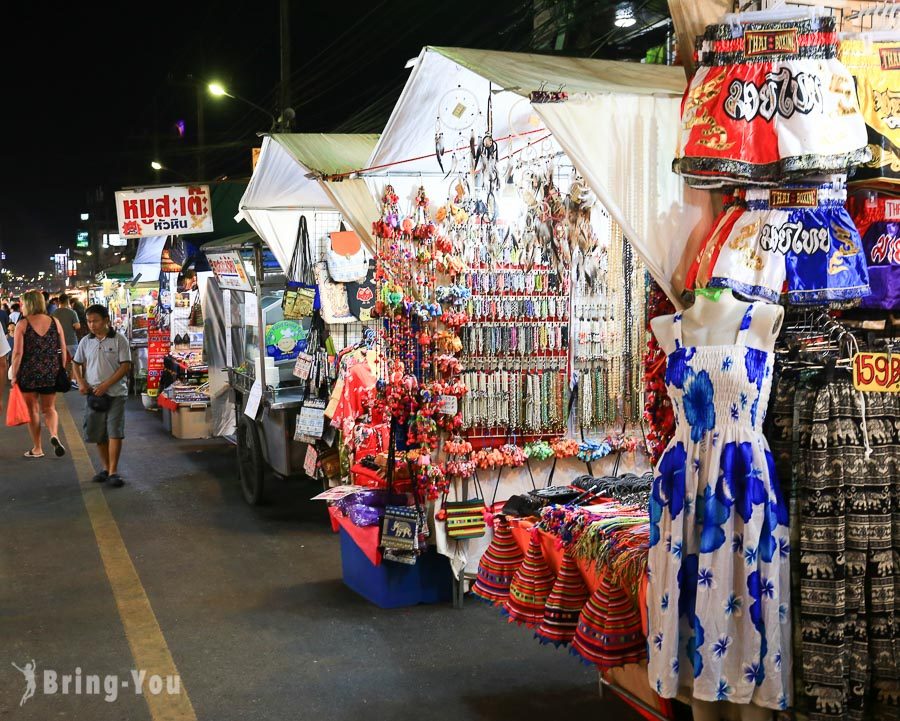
point(886, 249)
point(781, 93)
point(794, 237)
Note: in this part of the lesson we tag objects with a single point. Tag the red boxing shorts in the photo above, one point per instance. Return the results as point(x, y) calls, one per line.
point(770, 102)
point(875, 67)
point(798, 240)
point(878, 222)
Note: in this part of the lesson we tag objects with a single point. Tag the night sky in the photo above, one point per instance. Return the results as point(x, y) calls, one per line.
point(93, 91)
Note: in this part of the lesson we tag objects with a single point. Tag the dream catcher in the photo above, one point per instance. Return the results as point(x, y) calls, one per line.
point(457, 111)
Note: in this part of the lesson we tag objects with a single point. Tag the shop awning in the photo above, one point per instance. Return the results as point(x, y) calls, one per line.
point(287, 182)
point(618, 127)
point(232, 242)
point(122, 271)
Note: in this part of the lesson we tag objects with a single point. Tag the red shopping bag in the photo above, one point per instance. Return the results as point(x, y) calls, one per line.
point(16, 408)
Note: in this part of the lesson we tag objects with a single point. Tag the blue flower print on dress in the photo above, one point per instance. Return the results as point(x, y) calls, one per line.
point(693, 648)
point(767, 543)
point(677, 369)
point(720, 647)
point(733, 605)
point(687, 584)
point(739, 482)
point(668, 486)
point(756, 363)
point(723, 690)
point(781, 509)
point(664, 602)
point(711, 514)
point(748, 317)
point(656, 510)
point(754, 588)
point(706, 578)
point(699, 411)
point(727, 363)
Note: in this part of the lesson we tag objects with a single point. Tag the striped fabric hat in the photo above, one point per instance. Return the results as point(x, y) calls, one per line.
point(498, 565)
point(530, 587)
point(564, 605)
point(609, 629)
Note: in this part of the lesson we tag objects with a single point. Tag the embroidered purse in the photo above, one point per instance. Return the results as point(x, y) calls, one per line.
point(465, 519)
point(400, 528)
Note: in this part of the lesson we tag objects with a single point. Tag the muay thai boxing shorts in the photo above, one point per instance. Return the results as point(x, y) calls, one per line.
point(798, 240)
point(878, 221)
point(875, 67)
point(769, 102)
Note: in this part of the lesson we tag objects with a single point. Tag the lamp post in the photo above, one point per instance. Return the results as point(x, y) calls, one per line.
point(218, 90)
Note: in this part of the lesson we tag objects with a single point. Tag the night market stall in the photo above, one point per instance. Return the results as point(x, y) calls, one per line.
point(302, 302)
point(512, 312)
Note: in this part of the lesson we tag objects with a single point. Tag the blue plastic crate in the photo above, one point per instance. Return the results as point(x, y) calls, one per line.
point(393, 585)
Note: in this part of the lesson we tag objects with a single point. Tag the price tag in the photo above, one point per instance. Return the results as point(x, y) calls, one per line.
point(309, 463)
point(449, 405)
point(253, 399)
point(303, 366)
point(877, 372)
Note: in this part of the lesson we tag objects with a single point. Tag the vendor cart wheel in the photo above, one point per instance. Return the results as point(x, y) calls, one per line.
point(251, 464)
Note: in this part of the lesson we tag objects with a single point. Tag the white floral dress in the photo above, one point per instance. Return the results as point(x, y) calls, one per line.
point(719, 577)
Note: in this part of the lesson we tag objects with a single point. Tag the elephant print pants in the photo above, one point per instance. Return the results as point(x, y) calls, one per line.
point(847, 519)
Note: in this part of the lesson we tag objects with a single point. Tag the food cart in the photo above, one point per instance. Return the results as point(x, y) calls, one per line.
point(266, 395)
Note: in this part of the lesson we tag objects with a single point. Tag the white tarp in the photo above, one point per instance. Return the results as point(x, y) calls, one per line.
point(286, 183)
point(147, 259)
point(618, 128)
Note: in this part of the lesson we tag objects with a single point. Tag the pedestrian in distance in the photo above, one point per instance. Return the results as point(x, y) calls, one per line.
point(68, 319)
point(78, 307)
point(102, 364)
point(15, 314)
point(4, 363)
point(38, 350)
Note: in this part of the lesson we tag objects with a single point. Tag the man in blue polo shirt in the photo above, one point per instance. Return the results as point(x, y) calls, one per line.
point(101, 364)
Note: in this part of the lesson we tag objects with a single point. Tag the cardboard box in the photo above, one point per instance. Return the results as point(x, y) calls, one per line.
point(191, 422)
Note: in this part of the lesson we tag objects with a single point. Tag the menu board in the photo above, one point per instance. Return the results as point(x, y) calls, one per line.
point(158, 346)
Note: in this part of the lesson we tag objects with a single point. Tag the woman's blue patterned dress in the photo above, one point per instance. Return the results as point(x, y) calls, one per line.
point(719, 577)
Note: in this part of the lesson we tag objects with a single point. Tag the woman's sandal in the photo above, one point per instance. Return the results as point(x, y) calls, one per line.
point(29, 454)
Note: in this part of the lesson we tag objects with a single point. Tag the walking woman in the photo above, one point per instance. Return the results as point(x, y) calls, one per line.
point(38, 349)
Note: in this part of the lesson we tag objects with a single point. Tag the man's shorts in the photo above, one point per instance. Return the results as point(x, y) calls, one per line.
point(799, 240)
point(878, 222)
point(875, 66)
point(770, 102)
point(100, 427)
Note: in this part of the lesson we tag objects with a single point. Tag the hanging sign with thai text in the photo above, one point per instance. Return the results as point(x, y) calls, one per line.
point(179, 210)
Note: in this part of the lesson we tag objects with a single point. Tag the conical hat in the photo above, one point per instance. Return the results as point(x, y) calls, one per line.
point(530, 587)
point(564, 605)
point(498, 565)
point(609, 629)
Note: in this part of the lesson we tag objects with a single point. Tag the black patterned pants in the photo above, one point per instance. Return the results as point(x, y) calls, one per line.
point(846, 517)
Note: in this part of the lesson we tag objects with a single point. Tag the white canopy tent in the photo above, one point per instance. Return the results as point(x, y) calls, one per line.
point(289, 180)
point(618, 127)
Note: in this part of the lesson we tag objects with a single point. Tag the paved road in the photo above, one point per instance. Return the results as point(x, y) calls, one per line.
point(247, 606)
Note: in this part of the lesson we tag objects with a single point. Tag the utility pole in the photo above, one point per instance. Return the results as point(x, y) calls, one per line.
point(285, 119)
point(201, 135)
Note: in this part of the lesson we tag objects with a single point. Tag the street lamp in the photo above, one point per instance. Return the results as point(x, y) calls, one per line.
point(218, 90)
point(157, 166)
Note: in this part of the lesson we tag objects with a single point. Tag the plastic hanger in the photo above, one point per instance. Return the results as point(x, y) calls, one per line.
point(774, 14)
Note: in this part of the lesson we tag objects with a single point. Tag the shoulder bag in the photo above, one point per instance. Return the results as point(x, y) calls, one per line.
point(346, 257)
point(63, 383)
point(300, 294)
